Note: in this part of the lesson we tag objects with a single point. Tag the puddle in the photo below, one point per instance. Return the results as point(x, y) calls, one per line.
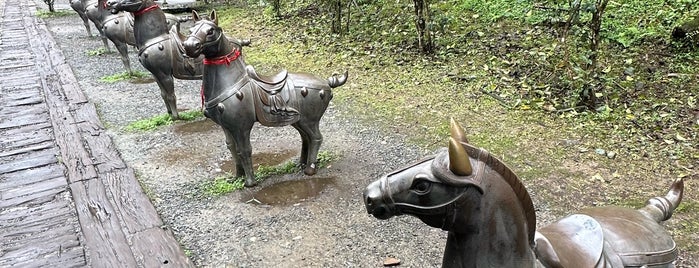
point(289, 192)
point(261, 158)
point(196, 127)
point(143, 80)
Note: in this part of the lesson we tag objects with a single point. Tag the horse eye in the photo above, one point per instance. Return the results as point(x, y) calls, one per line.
point(210, 31)
point(421, 186)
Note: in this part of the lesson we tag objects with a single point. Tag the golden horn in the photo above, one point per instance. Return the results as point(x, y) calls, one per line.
point(457, 131)
point(459, 163)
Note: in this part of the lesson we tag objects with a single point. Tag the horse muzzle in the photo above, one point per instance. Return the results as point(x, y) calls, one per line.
point(192, 47)
point(376, 203)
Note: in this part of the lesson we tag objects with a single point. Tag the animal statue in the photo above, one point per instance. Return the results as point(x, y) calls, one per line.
point(491, 221)
point(235, 97)
point(118, 27)
point(79, 7)
point(160, 49)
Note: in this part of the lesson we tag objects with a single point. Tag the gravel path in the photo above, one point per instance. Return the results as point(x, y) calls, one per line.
point(329, 229)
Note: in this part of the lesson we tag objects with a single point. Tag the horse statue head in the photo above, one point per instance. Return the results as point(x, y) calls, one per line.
point(492, 223)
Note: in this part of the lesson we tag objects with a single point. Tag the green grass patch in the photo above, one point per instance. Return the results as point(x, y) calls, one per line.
point(96, 52)
point(163, 120)
point(45, 14)
point(225, 184)
point(124, 76)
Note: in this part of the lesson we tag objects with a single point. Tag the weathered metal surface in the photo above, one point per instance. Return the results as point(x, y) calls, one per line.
point(491, 220)
point(277, 100)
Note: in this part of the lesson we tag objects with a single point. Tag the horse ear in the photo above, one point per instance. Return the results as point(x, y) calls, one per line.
point(459, 163)
point(457, 131)
point(195, 15)
point(213, 16)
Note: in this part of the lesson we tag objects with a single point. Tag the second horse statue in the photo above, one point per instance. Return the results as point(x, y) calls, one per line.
point(236, 97)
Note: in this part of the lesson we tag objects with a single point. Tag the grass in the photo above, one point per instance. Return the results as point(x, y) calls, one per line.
point(45, 14)
point(501, 69)
point(97, 51)
point(225, 184)
point(123, 76)
point(163, 120)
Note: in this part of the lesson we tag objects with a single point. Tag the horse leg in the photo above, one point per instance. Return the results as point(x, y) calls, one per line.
point(230, 143)
point(124, 51)
point(304, 145)
point(315, 139)
point(86, 22)
point(243, 153)
point(104, 39)
point(167, 92)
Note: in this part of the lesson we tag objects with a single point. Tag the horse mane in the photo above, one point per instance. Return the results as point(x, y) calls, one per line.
point(511, 178)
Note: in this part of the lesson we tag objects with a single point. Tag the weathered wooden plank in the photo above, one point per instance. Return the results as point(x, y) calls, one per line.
point(76, 158)
point(156, 247)
point(134, 207)
point(23, 102)
point(45, 185)
point(100, 225)
point(10, 111)
point(24, 120)
point(13, 142)
point(26, 149)
point(33, 199)
point(64, 257)
point(49, 252)
point(32, 161)
point(29, 176)
point(43, 126)
point(100, 145)
point(24, 222)
point(70, 84)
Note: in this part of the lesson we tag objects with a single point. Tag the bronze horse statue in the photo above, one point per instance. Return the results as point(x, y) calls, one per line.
point(118, 27)
point(236, 97)
point(491, 221)
point(80, 7)
point(160, 48)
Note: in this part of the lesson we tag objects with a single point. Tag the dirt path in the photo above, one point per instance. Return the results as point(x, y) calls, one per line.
point(315, 221)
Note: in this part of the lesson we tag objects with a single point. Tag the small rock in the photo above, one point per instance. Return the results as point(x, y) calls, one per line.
point(253, 239)
point(390, 261)
point(600, 152)
point(611, 155)
point(566, 142)
point(296, 238)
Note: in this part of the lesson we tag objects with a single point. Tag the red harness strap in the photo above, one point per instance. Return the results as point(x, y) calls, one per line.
point(227, 59)
point(145, 10)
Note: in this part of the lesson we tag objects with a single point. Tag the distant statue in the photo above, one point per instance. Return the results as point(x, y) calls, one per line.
point(491, 220)
point(118, 27)
point(160, 48)
point(79, 7)
point(236, 96)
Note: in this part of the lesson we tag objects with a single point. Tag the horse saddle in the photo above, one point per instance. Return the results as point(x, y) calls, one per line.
point(275, 99)
point(580, 240)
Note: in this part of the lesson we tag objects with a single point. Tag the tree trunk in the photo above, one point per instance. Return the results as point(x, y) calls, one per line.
point(336, 7)
point(422, 24)
point(595, 25)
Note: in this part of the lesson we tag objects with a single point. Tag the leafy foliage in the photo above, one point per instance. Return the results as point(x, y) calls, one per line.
point(45, 14)
point(124, 76)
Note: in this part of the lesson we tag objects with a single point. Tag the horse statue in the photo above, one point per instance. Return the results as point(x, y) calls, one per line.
point(118, 27)
point(235, 97)
point(79, 7)
point(160, 48)
point(491, 221)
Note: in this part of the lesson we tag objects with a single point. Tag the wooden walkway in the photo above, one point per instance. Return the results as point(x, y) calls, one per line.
point(66, 197)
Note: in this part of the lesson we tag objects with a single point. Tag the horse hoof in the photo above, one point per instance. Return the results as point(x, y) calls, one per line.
point(310, 170)
point(250, 183)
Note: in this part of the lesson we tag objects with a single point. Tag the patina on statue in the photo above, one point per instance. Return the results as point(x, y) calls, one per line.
point(235, 97)
point(118, 27)
point(160, 48)
point(491, 220)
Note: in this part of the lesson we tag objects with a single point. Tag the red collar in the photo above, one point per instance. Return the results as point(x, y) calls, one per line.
point(226, 59)
point(143, 11)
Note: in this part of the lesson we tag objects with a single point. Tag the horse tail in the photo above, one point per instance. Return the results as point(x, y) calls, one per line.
point(660, 208)
point(335, 81)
